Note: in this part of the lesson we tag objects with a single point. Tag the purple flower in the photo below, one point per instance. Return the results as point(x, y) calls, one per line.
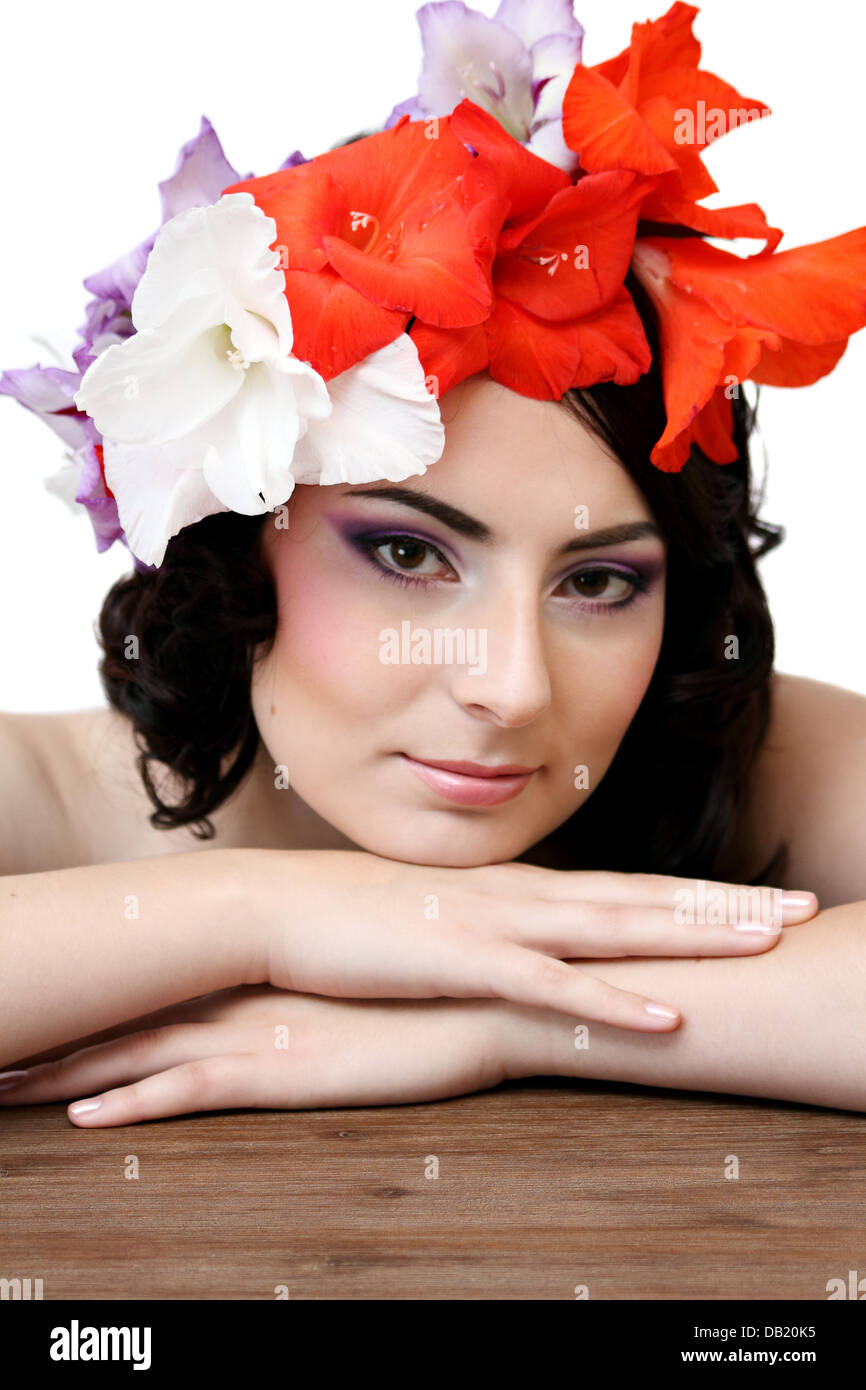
point(92, 492)
point(48, 392)
point(516, 66)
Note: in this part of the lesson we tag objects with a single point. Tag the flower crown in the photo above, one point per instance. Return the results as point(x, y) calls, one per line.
point(301, 326)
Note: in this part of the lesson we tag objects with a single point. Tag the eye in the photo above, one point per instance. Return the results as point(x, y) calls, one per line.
point(406, 555)
point(607, 587)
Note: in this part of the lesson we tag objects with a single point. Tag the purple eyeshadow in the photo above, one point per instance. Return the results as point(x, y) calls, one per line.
point(354, 531)
point(643, 571)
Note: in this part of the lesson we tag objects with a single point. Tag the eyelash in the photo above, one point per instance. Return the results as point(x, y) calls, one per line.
point(368, 545)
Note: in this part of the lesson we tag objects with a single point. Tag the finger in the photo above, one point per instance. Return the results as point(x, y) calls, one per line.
point(614, 929)
point(242, 1001)
point(734, 900)
point(227, 1082)
point(526, 977)
point(114, 1063)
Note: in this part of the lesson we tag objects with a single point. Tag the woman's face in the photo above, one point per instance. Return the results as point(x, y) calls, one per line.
point(485, 617)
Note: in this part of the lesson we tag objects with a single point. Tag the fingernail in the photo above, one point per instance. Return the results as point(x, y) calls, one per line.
point(81, 1107)
point(797, 902)
point(662, 1010)
point(11, 1078)
point(763, 928)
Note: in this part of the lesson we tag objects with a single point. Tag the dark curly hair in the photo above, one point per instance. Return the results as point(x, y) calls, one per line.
point(673, 798)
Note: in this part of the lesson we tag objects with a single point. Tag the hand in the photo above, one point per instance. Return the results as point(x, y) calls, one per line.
point(349, 924)
point(256, 1047)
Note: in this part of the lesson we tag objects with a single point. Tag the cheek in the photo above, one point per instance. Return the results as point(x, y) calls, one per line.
point(634, 668)
point(328, 640)
point(609, 679)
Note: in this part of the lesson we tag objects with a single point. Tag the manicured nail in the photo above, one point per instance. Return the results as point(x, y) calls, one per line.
point(797, 902)
point(11, 1078)
point(662, 1010)
point(81, 1107)
point(762, 928)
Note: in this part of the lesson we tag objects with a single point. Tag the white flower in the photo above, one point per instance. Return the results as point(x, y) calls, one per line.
point(204, 409)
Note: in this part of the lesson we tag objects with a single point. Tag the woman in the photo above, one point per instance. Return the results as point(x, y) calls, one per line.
point(370, 926)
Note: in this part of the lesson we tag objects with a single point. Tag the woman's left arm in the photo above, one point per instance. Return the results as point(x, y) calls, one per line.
point(789, 1024)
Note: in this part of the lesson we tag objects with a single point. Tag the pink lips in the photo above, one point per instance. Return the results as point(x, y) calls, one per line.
point(472, 784)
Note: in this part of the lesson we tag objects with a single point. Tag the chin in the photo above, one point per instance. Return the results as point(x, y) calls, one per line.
point(443, 841)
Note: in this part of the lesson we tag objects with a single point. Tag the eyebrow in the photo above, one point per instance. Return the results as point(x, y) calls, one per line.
point(475, 530)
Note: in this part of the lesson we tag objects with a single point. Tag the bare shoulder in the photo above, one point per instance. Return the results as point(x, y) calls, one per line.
point(809, 787)
point(72, 794)
point(31, 822)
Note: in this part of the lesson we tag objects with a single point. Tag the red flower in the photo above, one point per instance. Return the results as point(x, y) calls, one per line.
point(561, 316)
point(398, 223)
point(782, 319)
point(653, 110)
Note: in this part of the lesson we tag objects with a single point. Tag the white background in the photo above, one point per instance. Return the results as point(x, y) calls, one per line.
point(99, 95)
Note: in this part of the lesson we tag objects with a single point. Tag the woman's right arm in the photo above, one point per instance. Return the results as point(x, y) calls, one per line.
point(83, 949)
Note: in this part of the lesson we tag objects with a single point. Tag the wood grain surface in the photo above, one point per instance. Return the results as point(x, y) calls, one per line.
point(543, 1186)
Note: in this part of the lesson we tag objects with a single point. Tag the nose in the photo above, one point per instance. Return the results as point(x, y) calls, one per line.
point(509, 682)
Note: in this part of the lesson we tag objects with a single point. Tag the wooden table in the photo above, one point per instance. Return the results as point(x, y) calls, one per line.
point(543, 1186)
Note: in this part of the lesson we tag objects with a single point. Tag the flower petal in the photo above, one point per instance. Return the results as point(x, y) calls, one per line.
point(572, 259)
point(602, 126)
point(448, 355)
point(692, 179)
point(546, 143)
point(305, 202)
point(201, 174)
point(159, 490)
point(50, 393)
point(797, 364)
point(96, 496)
point(384, 424)
point(692, 339)
point(713, 428)
point(744, 220)
point(700, 94)
point(468, 55)
point(527, 181)
point(219, 254)
point(657, 44)
point(540, 18)
point(431, 278)
point(409, 108)
point(612, 344)
point(530, 355)
point(335, 326)
point(118, 280)
point(161, 384)
point(249, 463)
point(554, 58)
point(811, 294)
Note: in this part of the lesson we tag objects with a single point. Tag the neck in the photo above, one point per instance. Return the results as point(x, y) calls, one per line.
point(265, 814)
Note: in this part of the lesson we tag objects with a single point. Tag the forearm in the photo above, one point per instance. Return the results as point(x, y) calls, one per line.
point(83, 949)
point(789, 1024)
